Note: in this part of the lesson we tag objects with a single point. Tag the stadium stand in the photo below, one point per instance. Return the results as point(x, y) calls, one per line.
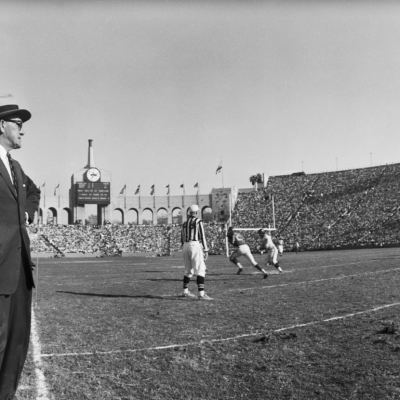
point(330, 210)
point(359, 207)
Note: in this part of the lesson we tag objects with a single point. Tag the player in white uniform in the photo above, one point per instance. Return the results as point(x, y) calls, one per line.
point(268, 245)
point(195, 252)
point(280, 247)
point(242, 249)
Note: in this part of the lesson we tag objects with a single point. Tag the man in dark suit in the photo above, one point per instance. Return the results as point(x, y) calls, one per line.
point(19, 199)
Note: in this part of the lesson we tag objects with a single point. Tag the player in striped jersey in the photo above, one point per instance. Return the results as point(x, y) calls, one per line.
point(242, 249)
point(195, 252)
point(268, 245)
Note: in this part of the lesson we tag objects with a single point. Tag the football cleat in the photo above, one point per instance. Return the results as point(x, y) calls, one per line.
point(265, 276)
point(240, 270)
point(205, 297)
point(188, 294)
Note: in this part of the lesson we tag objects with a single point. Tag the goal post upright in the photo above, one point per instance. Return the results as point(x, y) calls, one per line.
point(226, 241)
point(273, 209)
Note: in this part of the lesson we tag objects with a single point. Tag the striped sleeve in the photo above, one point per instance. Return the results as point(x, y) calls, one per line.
point(202, 236)
point(183, 233)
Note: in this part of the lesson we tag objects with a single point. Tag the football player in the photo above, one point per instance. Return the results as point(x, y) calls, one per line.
point(268, 245)
point(280, 247)
point(241, 249)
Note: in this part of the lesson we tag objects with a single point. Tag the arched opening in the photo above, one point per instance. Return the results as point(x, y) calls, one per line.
point(147, 217)
point(162, 216)
point(118, 216)
point(207, 215)
point(132, 217)
point(51, 216)
point(65, 217)
point(177, 216)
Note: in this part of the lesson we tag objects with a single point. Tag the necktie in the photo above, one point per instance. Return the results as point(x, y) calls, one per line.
point(10, 160)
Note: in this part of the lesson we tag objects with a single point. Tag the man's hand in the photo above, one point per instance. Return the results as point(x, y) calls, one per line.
point(205, 255)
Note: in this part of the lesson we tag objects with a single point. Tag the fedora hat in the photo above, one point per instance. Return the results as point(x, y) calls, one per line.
point(13, 111)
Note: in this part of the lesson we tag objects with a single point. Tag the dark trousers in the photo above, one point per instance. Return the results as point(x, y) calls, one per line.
point(15, 329)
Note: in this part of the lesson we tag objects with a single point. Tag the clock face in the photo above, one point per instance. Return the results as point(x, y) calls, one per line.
point(93, 175)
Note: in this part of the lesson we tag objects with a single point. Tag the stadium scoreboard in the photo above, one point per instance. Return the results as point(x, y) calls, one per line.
point(92, 192)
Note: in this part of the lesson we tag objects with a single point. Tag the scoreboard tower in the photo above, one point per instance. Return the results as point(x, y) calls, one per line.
point(91, 185)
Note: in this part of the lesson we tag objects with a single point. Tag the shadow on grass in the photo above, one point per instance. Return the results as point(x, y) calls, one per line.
point(144, 296)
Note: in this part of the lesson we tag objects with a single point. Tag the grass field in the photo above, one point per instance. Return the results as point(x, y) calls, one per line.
point(327, 328)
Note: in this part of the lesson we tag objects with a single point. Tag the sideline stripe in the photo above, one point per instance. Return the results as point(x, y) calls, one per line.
point(315, 281)
point(171, 346)
point(42, 391)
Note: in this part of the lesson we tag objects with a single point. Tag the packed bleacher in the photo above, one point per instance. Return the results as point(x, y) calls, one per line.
point(357, 207)
point(115, 239)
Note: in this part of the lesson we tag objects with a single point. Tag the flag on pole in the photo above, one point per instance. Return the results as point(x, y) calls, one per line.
point(167, 187)
point(123, 190)
point(183, 187)
point(219, 168)
point(55, 189)
point(44, 184)
point(137, 190)
point(196, 185)
point(152, 191)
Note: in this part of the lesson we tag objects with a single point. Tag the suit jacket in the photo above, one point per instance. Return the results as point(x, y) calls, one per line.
point(14, 239)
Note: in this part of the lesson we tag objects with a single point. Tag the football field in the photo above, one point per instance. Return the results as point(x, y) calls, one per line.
point(118, 328)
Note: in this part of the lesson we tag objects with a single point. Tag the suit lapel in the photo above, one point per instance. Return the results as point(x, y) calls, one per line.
point(4, 173)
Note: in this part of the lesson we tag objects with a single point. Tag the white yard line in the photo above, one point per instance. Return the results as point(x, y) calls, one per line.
point(171, 346)
point(42, 391)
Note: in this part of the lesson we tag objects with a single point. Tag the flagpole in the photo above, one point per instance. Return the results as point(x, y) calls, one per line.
point(125, 196)
point(154, 195)
point(222, 175)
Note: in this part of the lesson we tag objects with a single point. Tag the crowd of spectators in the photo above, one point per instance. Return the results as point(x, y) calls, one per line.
point(357, 207)
point(115, 239)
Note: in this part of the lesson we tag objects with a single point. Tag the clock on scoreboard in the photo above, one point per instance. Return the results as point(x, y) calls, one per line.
point(92, 175)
